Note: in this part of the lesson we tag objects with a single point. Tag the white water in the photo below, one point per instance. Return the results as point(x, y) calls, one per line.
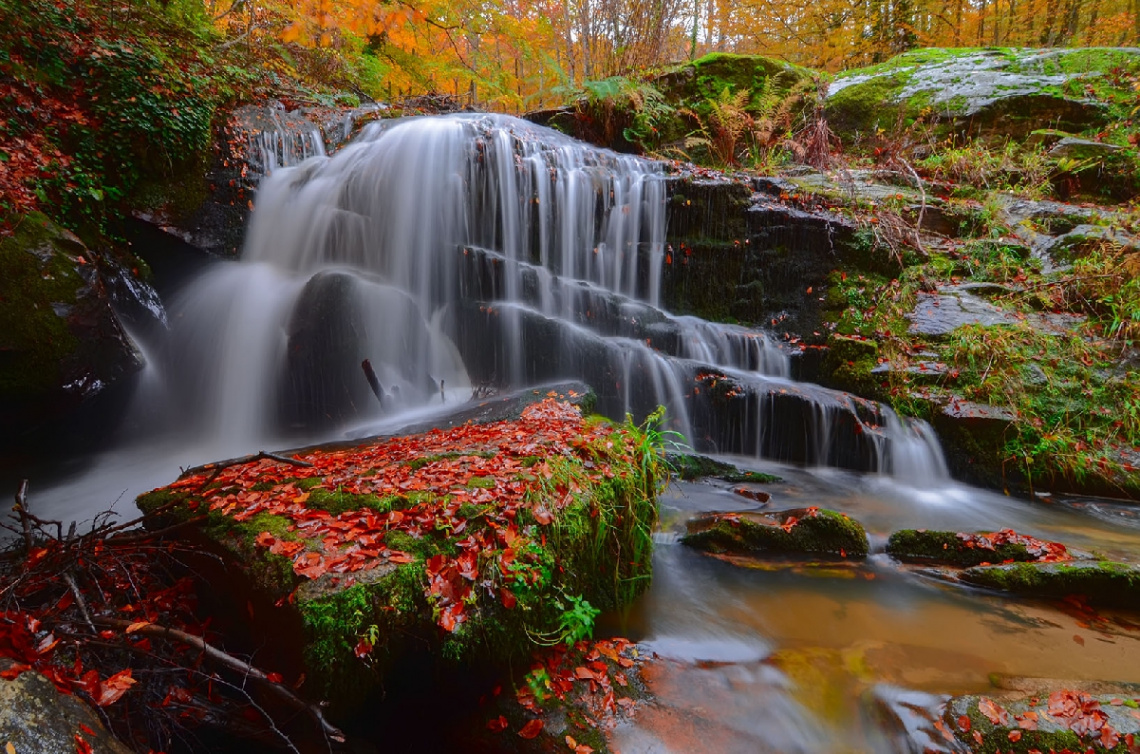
point(474, 249)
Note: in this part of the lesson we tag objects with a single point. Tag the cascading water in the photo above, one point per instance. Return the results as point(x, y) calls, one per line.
point(460, 250)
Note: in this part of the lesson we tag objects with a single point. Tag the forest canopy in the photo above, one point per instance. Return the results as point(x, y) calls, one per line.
point(515, 55)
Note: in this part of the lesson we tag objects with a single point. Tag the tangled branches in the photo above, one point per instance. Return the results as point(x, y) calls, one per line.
point(110, 615)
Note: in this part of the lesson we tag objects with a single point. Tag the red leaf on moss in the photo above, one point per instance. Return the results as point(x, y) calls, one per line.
point(508, 598)
point(497, 725)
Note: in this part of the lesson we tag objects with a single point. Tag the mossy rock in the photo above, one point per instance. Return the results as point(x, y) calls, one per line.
point(1102, 583)
point(954, 548)
point(467, 545)
point(690, 467)
point(60, 340)
point(801, 531)
point(848, 365)
point(991, 92)
point(971, 720)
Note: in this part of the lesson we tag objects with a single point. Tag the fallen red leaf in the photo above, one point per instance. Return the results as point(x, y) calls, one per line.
point(531, 729)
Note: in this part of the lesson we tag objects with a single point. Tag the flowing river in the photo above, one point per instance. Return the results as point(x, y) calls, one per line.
point(467, 252)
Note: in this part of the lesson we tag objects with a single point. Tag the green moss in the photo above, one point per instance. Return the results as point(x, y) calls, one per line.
point(338, 501)
point(38, 272)
point(689, 467)
point(1103, 583)
point(814, 531)
point(920, 546)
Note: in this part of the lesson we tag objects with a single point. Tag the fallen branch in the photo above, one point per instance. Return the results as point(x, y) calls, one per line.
point(259, 456)
point(233, 663)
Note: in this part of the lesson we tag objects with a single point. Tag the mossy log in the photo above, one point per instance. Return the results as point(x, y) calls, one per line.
point(472, 544)
point(802, 531)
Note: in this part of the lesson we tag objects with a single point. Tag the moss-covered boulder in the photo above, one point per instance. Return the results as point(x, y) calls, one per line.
point(641, 116)
point(1064, 720)
point(61, 341)
point(965, 550)
point(472, 544)
point(993, 92)
point(689, 467)
point(802, 531)
point(1102, 583)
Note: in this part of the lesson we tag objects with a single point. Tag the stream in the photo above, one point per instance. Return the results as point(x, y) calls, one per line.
point(465, 251)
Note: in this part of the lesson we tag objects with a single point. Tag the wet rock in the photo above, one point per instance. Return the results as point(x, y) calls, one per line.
point(802, 531)
point(990, 93)
point(61, 341)
point(1064, 720)
point(938, 314)
point(978, 418)
point(1068, 246)
point(1102, 583)
point(1083, 149)
point(910, 718)
point(211, 212)
point(37, 718)
point(965, 550)
point(339, 320)
point(689, 467)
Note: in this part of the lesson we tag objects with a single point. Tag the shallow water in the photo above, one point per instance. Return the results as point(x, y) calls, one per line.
point(788, 657)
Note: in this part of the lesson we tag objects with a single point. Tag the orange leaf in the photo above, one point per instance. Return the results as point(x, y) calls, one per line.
point(136, 626)
point(531, 729)
point(112, 689)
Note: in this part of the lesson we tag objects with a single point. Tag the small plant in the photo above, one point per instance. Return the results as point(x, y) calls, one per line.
point(574, 624)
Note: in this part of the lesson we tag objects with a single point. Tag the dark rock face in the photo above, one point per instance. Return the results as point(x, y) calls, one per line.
point(35, 717)
point(331, 333)
point(211, 213)
point(61, 341)
point(743, 255)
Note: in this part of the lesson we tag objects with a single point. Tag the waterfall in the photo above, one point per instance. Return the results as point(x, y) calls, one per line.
point(470, 249)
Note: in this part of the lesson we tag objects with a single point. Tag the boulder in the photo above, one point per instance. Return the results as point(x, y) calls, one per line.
point(61, 341)
point(991, 93)
point(461, 546)
point(1102, 583)
point(801, 531)
point(965, 550)
point(1064, 720)
point(36, 717)
point(631, 116)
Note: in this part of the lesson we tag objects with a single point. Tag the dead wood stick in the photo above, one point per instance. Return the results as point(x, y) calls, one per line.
point(142, 536)
point(80, 602)
point(22, 512)
point(373, 381)
point(260, 455)
point(233, 663)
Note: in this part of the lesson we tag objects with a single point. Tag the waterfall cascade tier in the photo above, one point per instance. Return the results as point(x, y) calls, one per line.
point(480, 249)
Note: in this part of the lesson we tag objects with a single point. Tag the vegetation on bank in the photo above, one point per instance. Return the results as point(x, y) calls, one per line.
point(482, 542)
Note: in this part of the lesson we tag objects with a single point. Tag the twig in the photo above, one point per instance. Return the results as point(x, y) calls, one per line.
point(22, 512)
point(142, 536)
point(233, 663)
point(80, 602)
